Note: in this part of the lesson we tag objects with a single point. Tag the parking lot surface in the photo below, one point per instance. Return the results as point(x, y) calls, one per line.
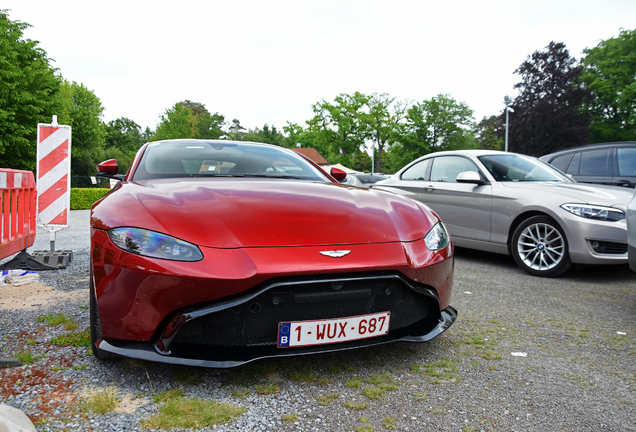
point(526, 354)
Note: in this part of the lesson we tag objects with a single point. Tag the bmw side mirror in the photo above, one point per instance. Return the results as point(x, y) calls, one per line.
point(470, 177)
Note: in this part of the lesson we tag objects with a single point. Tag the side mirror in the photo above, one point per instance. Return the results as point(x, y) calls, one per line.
point(470, 177)
point(108, 169)
point(338, 174)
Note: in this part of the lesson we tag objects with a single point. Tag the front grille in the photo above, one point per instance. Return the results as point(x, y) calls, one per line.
point(604, 247)
point(255, 322)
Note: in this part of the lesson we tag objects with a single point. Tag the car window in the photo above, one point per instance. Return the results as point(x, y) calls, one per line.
point(417, 171)
point(512, 167)
point(573, 168)
point(595, 163)
point(170, 159)
point(626, 161)
point(561, 162)
point(446, 168)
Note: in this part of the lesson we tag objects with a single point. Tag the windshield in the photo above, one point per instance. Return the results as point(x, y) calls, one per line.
point(175, 159)
point(515, 167)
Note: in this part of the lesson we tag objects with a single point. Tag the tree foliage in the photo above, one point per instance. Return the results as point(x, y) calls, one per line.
point(29, 90)
point(438, 124)
point(82, 110)
point(382, 118)
point(489, 132)
point(189, 120)
point(268, 135)
point(548, 113)
point(610, 76)
point(123, 139)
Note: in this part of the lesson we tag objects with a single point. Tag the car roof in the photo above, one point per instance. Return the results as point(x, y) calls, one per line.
point(589, 146)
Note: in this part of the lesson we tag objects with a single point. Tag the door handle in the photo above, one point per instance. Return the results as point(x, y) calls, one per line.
point(625, 183)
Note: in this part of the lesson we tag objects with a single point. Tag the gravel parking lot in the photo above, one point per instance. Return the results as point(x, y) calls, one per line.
point(526, 353)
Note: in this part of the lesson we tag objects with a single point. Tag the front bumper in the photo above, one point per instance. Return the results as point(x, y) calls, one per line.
point(146, 351)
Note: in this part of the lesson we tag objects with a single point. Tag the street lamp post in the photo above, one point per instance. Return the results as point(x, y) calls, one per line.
point(507, 102)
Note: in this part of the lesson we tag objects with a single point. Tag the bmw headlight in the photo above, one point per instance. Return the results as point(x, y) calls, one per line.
point(437, 238)
point(594, 212)
point(153, 244)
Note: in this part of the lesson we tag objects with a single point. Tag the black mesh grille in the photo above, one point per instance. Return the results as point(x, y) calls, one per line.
point(609, 247)
point(255, 322)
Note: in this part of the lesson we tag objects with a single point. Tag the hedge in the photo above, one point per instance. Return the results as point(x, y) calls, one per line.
point(83, 198)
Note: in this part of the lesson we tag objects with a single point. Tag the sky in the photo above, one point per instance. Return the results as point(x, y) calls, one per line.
point(268, 62)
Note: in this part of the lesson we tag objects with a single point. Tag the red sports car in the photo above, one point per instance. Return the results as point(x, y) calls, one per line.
point(216, 253)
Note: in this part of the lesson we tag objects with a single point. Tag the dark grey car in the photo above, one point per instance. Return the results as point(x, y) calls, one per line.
point(513, 204)
point(608, 163)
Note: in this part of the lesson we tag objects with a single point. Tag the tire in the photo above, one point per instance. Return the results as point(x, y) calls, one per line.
point(540, 248)
point(96, 327)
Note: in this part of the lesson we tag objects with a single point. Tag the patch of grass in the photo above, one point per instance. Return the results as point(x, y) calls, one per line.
point(364, 428)
point(71, 325)
point(304, 374)
point(188, 375)
point(240, 393)
point(56, 368)
point(468, 428)
point(354, 382)
point(325, 380)
point(438, 410)
point(389, 422)
point(53, 319)
point(290, 418)
point(75, 339)
point(373, 393)
point(184, 413)
point(27, 357)
point(441, 372)
point(83, 307)
point(268, 388)
point(490, 355)
point(31, 342)
point(327, 399)
point(356, 406)
point(169, 395)
point(102, 402)
point(79, 367)
point(254, 372)
point(419, 396)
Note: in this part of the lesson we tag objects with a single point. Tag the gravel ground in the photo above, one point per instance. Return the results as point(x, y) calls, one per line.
point(526, 354)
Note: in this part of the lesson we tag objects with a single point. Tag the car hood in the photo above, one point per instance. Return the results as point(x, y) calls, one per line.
point(578, 192)
point(231, 213)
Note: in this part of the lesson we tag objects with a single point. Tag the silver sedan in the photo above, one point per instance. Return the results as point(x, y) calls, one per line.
point(514, 204)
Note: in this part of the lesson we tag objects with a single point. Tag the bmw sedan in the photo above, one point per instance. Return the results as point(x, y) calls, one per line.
point(513, 204)
point(216, 253)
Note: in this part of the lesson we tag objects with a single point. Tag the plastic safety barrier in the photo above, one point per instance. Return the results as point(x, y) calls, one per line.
point(18, 195)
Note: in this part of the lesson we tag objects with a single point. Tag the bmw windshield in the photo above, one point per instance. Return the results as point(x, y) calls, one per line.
point(519, 168)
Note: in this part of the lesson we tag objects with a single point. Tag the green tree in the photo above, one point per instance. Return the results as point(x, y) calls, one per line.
point(268, 135)
point(29, 90)
point(610, 76)
point(548, 113)
point(82, 110)
point(123, 139)
point(340, 131)
point(440, 123)
point(489, 132)
point(382, 120)
point(189, 120)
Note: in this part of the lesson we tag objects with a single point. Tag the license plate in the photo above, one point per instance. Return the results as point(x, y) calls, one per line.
point(306, 333)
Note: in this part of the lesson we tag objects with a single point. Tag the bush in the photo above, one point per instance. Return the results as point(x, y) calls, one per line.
point(83, 198)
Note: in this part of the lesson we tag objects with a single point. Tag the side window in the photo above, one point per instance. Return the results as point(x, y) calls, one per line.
point(627, 161)
point(417, 171)
point(595, 163)
point(561, 162)
point(446, 168)
point(573, 168)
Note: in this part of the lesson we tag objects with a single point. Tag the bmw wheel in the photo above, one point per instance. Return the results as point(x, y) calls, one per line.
point(540, 248)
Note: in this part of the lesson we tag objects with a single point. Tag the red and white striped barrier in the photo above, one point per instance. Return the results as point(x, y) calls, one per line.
point(53, 168)
point(18, 195)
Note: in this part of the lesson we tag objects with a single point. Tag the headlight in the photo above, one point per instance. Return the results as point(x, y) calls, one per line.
point(437, 238)
point(610, 214)
point(154, 244)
